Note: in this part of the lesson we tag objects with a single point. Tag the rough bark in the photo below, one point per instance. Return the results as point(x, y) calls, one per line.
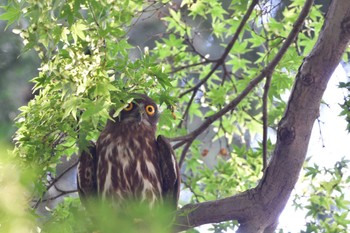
point(258, 209)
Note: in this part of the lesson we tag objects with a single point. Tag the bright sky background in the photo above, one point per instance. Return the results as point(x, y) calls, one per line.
point(334, 138)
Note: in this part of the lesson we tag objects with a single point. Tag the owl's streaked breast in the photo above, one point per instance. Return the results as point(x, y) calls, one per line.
point(127, 165)
point(127, 162)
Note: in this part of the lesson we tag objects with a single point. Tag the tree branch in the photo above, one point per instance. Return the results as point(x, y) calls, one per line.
point(265, 119)
point(62, 193)
point(229, 46)
point(53, 183)
point(177, 69)
point(185, 115)
point(267, 71)
point(267, 200)
point(184, 152)
point(194, 50)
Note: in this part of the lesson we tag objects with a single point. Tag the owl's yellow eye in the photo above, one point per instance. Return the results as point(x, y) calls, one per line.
point(150, 110)
point(129, 107)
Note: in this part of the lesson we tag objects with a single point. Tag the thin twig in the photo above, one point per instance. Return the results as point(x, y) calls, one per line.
point(225, 74)
point(265, 119)
point(154, 10)
point(62, 174)
point(54, 181)
point(190, 43)
point(175, 70)
point(185, 115)
point(196, 195)
point(265, 106)
point(320, 131)
point(182, 140)
point(184, 152)
point(59, 195)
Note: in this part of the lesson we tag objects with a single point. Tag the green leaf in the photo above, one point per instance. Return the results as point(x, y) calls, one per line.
point(93, 109)
point(70, 107)
point(77, 30)
point(12, 14)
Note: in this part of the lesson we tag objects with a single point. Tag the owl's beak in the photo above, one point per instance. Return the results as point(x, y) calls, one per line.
point(140, 116)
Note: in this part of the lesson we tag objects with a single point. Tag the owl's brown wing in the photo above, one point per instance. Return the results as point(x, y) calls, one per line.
point(86, 174)
point(170, 171)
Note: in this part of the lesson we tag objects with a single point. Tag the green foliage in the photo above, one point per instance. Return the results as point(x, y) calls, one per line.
point(326, 202)
point(12, 13)
point(232, 175)
point(85, 71)
point(346, 104)
point(70, 217)
point(15, 182)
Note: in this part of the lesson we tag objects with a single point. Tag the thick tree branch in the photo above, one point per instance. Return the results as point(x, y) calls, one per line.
point(257, 210)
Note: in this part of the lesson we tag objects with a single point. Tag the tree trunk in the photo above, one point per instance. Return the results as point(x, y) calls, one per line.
point(258, 209)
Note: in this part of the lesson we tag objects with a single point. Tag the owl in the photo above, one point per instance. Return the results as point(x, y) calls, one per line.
point(128, 162)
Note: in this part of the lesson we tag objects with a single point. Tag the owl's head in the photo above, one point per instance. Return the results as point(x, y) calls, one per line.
point(142, 110)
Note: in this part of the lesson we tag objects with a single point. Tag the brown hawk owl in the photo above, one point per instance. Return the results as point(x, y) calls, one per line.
point(128, 161)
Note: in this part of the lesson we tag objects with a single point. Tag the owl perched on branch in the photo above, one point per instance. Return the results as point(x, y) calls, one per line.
point(128, 162)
